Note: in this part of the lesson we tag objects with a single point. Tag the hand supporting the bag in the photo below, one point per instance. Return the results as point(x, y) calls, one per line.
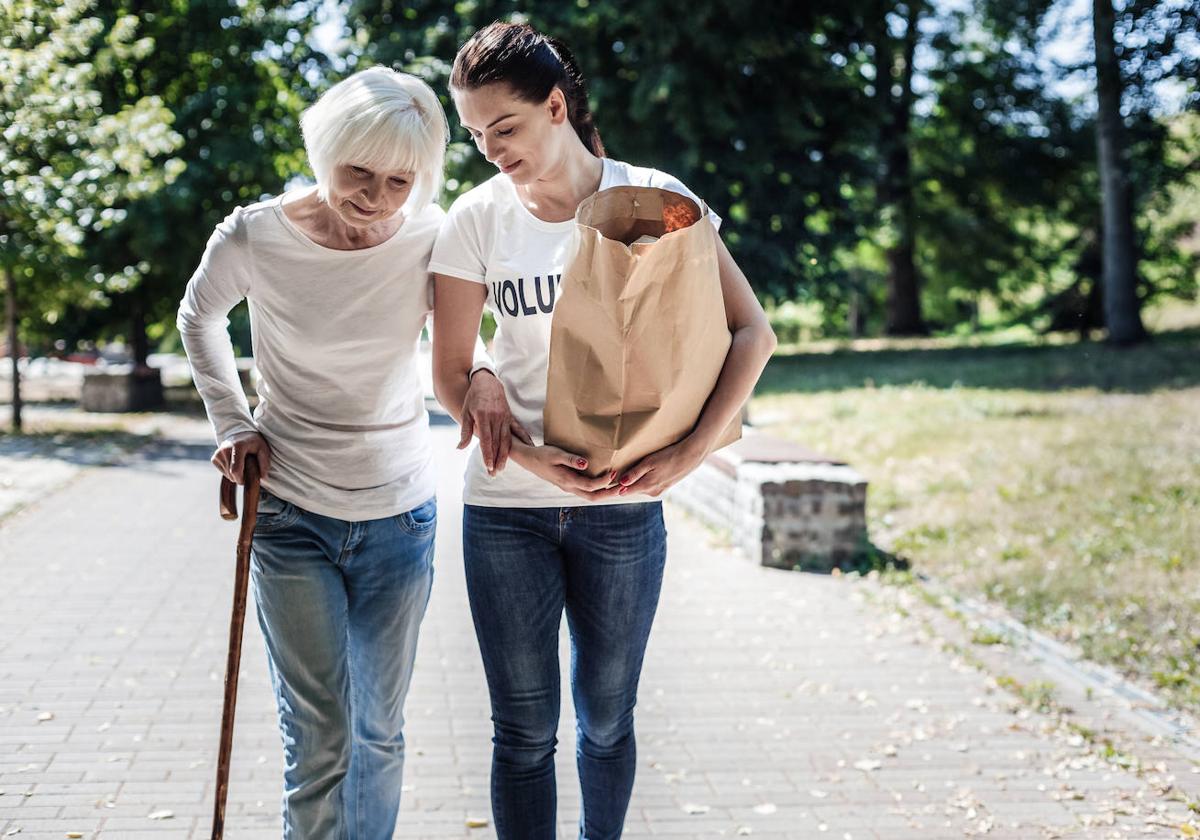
point(751, 348)
point(660, 470)
point(564, 470)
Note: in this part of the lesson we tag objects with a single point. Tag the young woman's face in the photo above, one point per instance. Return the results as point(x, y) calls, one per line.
point(519, 138)
point(363, 197)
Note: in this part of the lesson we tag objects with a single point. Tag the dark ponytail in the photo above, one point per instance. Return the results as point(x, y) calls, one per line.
point(532, 65)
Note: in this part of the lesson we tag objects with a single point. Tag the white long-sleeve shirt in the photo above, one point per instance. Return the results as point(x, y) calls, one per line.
point(335, 337)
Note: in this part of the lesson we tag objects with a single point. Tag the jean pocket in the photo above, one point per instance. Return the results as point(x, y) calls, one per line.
point(419, 521)
point(274, 512)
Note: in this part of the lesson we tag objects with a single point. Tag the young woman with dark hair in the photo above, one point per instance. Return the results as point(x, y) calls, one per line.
point(540, 536)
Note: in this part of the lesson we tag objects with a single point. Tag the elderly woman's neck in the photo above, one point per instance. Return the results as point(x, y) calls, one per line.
point(324, 226)
point(555, 196)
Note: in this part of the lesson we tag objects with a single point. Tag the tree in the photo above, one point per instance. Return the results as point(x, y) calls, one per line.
point(65, 161)
point(1001, 165)
point(1121, 305)
point(235, 76)
point(893, 82)
point(759, 108)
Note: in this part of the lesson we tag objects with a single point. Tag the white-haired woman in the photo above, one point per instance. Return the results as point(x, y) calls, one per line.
point(343, 548)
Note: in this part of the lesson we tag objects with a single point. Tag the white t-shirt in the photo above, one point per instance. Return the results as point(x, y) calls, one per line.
point(489, 237)
point(335, 336)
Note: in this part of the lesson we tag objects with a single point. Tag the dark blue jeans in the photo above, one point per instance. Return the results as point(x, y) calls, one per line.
point(603, 564)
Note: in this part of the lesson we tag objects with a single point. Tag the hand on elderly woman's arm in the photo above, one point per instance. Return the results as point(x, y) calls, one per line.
point(485, 413)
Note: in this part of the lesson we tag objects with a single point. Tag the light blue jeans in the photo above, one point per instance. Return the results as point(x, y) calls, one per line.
point(339, 604)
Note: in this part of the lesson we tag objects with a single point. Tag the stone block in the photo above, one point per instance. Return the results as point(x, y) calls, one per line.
point(121, 388)
point(784, 505)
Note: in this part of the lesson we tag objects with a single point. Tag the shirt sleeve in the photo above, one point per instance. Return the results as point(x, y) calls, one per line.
point(458, 250)
point(219, 283)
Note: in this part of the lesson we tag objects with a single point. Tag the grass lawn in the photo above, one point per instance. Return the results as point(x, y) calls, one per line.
point(1060, 479)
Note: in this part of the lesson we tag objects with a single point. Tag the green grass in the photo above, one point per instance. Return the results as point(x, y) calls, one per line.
point(1061, 479)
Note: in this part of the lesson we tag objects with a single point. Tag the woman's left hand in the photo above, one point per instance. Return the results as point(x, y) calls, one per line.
point(658, 471)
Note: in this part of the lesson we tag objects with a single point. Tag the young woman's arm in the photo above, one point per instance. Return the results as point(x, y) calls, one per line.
point(478, 403)
point(753, 344)
point(457, 309)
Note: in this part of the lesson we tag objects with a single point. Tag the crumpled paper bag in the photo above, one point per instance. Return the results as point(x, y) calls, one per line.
point(639, 333)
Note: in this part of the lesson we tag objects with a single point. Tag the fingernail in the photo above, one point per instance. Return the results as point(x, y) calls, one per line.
point(612, 476)
point(623, 491)
point(581, 462)
point(625, 479)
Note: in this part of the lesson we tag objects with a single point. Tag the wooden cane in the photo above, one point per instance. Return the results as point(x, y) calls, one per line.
point(236, 623)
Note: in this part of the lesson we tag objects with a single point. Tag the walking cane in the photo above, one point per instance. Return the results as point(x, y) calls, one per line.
point(236, 623)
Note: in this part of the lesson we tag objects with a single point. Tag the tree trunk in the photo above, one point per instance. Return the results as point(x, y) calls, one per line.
point(138, 341)
point(1122, 309)
point(895, 183)
point(856, 314)
point(14, 352)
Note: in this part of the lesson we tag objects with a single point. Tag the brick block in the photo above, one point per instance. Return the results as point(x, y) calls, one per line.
point(784, 506)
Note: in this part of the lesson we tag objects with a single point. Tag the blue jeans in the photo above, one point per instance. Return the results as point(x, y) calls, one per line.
point(339, 604)
point(604, 565)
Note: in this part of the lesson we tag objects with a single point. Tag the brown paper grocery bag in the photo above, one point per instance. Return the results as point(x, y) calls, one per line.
point(639, 333)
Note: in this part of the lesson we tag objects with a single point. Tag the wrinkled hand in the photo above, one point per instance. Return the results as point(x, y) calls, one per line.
point(565, 471)
point(658, 471)
point(485, 413)
point(230, 457)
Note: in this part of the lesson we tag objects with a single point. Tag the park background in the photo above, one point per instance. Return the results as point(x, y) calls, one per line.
point(975, 225)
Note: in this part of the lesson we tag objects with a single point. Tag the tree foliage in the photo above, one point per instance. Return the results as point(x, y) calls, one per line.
point(847, 145)
point(67, 161)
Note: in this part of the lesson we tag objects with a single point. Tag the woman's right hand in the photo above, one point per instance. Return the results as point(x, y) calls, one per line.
point(230, 457)
point(485, 413)
point(564, 470)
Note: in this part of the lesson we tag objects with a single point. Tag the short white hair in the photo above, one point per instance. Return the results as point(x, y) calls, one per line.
point(385, 121)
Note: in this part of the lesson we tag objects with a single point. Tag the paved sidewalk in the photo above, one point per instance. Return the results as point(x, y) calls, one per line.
point(774, 704)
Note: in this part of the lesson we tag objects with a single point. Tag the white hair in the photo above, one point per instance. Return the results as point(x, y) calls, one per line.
point(382, 120)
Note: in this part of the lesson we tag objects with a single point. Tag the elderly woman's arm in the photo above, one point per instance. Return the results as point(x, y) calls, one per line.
point(752, 346)
point(219, 283)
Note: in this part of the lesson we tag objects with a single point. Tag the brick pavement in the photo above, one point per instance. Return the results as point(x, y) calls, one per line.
point(774, 704)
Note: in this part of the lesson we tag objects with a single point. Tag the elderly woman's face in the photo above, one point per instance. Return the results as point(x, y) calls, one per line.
point(363, 197)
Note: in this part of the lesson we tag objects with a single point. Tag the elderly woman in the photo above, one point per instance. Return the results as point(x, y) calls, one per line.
point(343, 546)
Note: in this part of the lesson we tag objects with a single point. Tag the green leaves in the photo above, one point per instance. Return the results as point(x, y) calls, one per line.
point(64, 160)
